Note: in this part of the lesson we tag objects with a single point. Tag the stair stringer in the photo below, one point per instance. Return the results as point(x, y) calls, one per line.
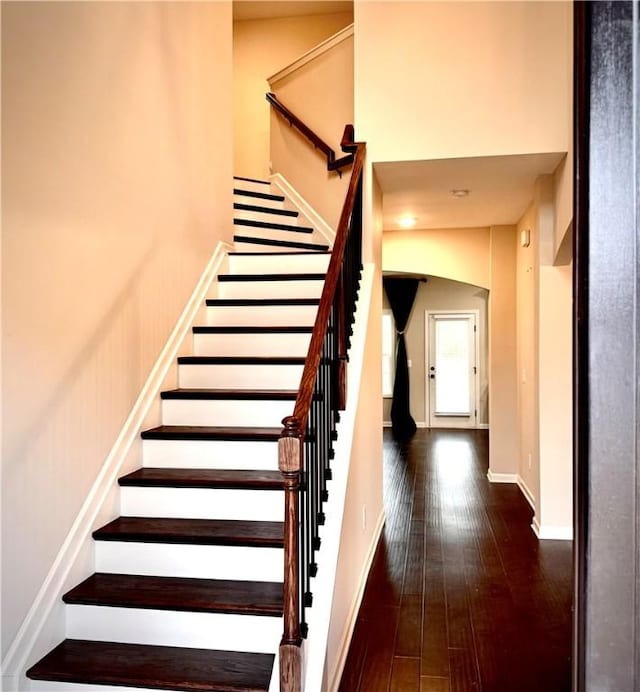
point(319, 616)
point(44, 625)
point(307, 212)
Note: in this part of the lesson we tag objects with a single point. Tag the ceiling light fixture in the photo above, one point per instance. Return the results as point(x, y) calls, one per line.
point(460, 192)
point(407, 221)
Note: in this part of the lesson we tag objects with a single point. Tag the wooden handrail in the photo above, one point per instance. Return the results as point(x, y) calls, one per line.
point(305, 393)
point(333, 163)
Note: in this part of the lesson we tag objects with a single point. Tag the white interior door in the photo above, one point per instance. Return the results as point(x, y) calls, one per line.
point(452, 369)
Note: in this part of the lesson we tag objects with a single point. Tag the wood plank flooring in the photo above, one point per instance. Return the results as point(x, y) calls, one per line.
point(461, 595)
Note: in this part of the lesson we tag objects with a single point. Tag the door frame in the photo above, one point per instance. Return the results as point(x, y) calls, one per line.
point(606, 336)
point(427, 386)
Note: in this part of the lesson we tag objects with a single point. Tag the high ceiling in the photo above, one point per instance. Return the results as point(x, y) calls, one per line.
point(272, 9)
point(500, 189)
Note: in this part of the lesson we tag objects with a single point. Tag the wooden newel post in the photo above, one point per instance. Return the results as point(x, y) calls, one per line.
point(289, 463)
point(342, 345)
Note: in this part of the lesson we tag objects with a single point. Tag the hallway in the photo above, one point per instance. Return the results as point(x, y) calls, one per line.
point(461, 595)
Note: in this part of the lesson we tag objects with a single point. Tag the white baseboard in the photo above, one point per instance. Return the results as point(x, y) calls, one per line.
point(285, 187)
point(343, 649)
point(526, 491)
point(482, 426)
point(75, 544)
point(552, 533)
point(502, 477)
point(386, 424)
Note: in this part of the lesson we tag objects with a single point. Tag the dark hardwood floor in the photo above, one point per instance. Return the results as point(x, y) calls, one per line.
point(461, 595)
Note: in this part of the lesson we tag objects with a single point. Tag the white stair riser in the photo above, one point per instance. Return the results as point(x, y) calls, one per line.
point(197, 561)
point(251, 344)
point(210, 454)
point(202, 503)
point(260, 315)
point(258, 201)
point(265, 216)
point(312, 262)
point(240, 246)
point(240, 376)
point(228, 632)
point(234, 412)
point(263, 186)
point(270, 289)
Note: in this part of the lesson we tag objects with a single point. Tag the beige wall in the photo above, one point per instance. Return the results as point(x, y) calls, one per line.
point(116, 159)
point(527, 339)
point(262, 48)
point(460, 254)
point(458, 79)
point(442, 294)
point(320, 93)
point(545, 366)
point(504, 442)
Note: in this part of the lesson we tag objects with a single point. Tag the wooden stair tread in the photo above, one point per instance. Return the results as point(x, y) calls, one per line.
point(159, 667)
point(179, 593)
point(305, 276)
point(262, 302)
point(203, 478)
point(252, 180)
point(264, 534)
point(280, 243)
point(231, 394)
point(257, 195)
point(250, 329)
point(240, 360)
point(270, 225)
point(209, 432)
point(235, 253)
point(239, 206)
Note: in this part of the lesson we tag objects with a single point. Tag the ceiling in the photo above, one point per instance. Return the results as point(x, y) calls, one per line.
point(272, 9)
point(500, 189)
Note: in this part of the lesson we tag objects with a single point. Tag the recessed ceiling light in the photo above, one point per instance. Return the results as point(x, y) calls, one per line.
point(407, 221)
point(460, 192)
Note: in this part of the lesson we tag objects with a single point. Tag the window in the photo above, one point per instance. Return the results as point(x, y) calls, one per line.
point(388, 352)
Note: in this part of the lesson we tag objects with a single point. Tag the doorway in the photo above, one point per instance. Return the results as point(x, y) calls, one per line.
point(452, 358)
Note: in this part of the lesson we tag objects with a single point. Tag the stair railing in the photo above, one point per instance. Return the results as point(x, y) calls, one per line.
point(305, 447)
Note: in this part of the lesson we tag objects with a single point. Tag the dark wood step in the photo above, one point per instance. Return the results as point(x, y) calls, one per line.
point(211, 433)
point(252, 180)
point(252, 223)
point(158, 667)
point(277, 254)
point(257, 195)
point(227, 479)
point(218, 329)
point(206, 394)
point(239, 360)
point(265, 210)
point(257, 534)
point(303, 276)
point(270, 242)
point(179, 593)
point(262, 302)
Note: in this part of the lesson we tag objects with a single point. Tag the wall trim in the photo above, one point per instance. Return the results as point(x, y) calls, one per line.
point(502, 477)
point(482, 426)
point(355, 606)
point(312, 54)
point(552, 533)
point(285, 187)
point(524, 489)
point(54, 584)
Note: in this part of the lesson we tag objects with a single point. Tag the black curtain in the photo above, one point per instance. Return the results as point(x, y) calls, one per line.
point(401, 294)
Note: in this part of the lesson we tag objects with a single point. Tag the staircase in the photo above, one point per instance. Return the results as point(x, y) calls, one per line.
point(188, 588)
